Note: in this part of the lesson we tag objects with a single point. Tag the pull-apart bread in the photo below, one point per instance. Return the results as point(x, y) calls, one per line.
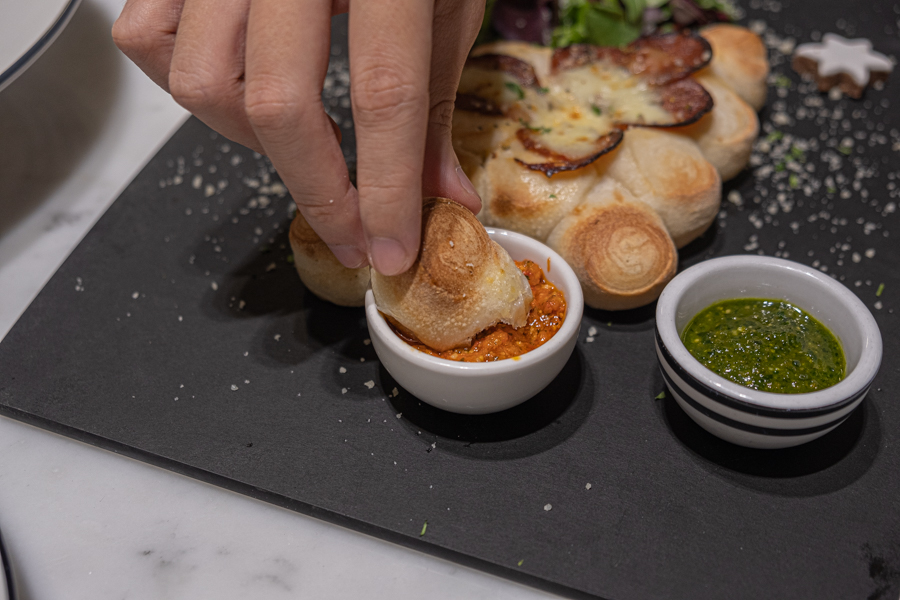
point(726, 135)
point(461, 283)
point(618, 247)
point(669, 173)
point(541, 132)
point(321, 272)
point(740, 60)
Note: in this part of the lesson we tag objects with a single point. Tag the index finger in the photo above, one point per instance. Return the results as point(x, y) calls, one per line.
point(390, 57)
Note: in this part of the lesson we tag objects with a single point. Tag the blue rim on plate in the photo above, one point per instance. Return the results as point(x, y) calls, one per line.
point(16, 69)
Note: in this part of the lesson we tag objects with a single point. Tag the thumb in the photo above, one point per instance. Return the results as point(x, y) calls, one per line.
point(455, 26)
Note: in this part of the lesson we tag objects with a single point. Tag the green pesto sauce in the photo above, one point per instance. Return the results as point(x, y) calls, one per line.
point(767, 345)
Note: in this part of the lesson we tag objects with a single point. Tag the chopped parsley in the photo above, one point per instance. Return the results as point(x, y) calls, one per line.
point(845, 150)
point(774, 136)
point(794, 181)
point(534, 129)
point(516, 89)
point(661, 395)
point(879, 290)
point(783, 81)
point(596, 110)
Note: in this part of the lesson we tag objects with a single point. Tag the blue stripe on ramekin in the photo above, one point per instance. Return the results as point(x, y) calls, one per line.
point(782, 433)
point(746, 407)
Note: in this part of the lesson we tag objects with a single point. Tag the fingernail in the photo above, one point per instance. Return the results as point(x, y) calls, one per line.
point(464, 181)
point(387, 256)
point(349, 256)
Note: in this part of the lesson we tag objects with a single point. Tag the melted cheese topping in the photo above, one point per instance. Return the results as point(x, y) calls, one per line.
point(615, 91)
point(563, 124)
point(494, 85)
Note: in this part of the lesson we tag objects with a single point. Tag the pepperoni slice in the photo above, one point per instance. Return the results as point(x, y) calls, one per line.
point(562, 162)
point(658, 59)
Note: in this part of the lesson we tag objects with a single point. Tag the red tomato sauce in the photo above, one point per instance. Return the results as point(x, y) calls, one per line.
point(546, 316)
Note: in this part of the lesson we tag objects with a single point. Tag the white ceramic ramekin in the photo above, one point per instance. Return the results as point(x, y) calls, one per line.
point(743, 415)
point(478, 388)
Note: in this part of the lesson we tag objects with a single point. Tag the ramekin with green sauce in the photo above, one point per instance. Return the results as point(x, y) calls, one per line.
point(765, 397)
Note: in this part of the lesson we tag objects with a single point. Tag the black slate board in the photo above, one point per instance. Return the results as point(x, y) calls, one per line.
point(178, 333)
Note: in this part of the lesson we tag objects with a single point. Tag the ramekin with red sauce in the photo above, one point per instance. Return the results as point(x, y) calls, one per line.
point(490, 386)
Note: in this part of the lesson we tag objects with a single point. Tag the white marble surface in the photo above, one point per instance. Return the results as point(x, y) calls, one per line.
point(80, 522)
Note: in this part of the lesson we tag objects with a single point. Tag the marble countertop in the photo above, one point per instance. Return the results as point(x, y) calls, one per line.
point(80, 522)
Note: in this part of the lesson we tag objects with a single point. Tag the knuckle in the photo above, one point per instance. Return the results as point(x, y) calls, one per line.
point(196, 88)
point(383, 93)
point(131, 38)
point(269, 104)
point(323, 214)
point(441, 115)
point(390, 198)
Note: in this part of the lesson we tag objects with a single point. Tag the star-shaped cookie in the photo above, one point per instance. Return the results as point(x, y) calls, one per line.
point(850, 65)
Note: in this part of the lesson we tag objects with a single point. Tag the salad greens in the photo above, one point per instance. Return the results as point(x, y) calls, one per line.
point(602, 22)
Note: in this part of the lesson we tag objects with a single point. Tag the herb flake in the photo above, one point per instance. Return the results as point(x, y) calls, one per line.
point(538, 129)
point(515, 88)
point(783, 81)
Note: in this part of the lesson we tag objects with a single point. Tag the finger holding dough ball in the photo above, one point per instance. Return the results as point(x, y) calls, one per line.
point(618, 247)
point(321, 272)
point(461, 283)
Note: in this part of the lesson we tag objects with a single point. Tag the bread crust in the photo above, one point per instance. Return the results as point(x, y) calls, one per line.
point(726, 135)
point(740, 60)
point(321, 272)
point(515, 197)
point(618, 247)
point(461, 283)
point(668, 172)
point(538, 56)
point(665, 181)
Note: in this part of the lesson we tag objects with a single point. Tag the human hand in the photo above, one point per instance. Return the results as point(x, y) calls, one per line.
point(254, 69)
